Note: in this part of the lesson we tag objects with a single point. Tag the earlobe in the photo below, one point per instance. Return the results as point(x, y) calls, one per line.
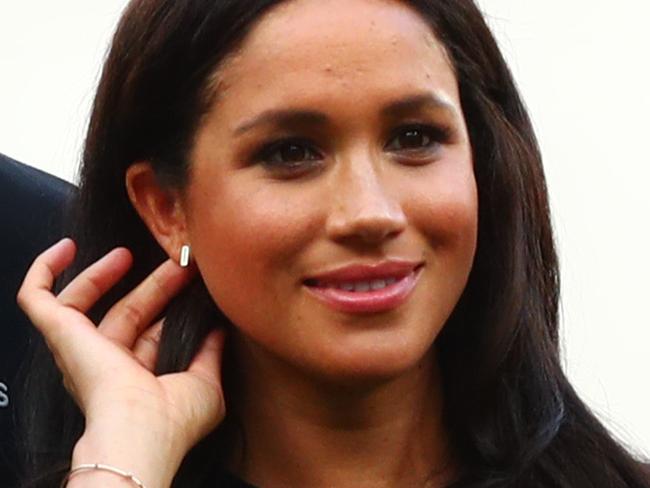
point(160, 208)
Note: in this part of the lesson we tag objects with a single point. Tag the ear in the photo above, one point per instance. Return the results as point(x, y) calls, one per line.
point(160, 208)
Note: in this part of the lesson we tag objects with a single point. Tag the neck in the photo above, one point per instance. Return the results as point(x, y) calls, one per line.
point(301, 432)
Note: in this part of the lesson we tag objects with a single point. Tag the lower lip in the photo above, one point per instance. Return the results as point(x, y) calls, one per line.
point(371, 301)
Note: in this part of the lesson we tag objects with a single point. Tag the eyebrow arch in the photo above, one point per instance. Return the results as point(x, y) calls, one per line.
point(416, 102)
point(284, 118)
point(291, 118)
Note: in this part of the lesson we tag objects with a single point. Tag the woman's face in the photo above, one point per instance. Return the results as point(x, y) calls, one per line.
point(376, 167)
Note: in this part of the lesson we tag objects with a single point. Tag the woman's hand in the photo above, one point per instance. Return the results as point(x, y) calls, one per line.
point(134, 419)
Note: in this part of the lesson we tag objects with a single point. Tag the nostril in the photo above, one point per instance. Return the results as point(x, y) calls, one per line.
point(374, 234)
point(368, 225)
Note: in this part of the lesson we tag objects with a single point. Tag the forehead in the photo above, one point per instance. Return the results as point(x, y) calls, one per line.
point(309, 50)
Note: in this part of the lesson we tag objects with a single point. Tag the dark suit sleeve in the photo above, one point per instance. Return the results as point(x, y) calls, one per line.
point(32, 212)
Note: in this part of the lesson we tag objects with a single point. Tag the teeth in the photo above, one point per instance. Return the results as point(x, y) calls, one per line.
point(363, 286)
point(377, 284)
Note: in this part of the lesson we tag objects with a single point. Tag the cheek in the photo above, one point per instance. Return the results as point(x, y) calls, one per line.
point(444, 213)
point(444, 209)
point(245, 241)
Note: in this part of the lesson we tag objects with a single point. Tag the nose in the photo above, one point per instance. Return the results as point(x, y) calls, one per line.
point(364, 209)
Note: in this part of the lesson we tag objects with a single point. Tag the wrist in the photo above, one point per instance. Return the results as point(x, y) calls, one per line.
point(147, 453)
point(100, 471)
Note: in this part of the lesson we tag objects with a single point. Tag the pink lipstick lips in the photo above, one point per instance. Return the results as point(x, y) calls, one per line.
point(364, 288)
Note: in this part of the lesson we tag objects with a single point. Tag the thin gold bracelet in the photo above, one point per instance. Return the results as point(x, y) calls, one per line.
point(101, 467)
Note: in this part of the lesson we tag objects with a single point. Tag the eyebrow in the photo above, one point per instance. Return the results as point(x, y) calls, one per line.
point(290, 118)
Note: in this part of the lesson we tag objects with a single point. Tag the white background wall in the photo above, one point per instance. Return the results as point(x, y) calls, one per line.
point(583, 69)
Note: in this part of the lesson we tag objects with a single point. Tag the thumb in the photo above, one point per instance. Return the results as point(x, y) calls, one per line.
point(207, 362)
point(202, 396)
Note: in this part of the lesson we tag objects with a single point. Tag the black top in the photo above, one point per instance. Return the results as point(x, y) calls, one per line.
point(31, 219)
point(227, 480)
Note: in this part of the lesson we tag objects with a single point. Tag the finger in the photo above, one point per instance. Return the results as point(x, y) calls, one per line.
point(147, 345)
point(35, 296)
point(91, 284)
point(49, 265)
point(207, 362)
point(134, 313)
point(202, 399)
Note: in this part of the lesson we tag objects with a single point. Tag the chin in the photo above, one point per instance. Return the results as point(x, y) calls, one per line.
point(373, 365)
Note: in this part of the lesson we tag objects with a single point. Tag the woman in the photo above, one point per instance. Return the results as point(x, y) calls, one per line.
point(362, 195)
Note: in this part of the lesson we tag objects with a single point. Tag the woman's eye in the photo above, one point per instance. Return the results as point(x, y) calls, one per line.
point(417, 138)
point(288, 154)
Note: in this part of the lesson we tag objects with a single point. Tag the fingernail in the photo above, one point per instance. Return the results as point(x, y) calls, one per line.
point(62, 243)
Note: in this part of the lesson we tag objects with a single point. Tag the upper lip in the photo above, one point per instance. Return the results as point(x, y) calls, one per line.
point(365, 272)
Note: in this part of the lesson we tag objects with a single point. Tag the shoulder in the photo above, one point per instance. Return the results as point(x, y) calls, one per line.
point(20, 183)
point(32, 216)
point(32, 205)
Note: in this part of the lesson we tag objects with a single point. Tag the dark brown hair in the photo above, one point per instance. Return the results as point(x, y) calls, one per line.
point(514, 419)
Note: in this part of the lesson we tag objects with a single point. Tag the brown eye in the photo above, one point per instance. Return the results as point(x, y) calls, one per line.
point(413, 138)
point(288, 154)
point(293, 153)
point(417, 138)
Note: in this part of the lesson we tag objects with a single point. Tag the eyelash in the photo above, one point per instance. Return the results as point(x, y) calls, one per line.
point(437, 135)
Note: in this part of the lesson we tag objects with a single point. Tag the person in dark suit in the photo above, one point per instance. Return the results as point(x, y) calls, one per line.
point(32, 205)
